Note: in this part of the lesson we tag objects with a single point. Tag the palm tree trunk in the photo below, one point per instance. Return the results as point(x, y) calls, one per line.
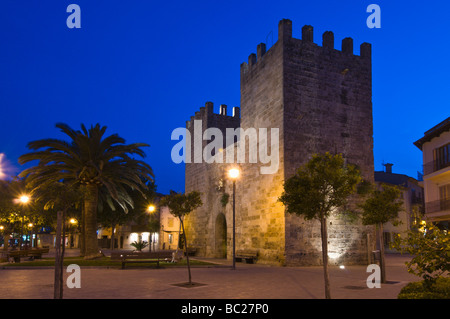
point(382, 265)
point(6, 240)
point(82, 233)
point(21, 235)
point(5, 243)
point(323, 230)
point(90, 206)
point(57, 285)
point(63, 249)
point(187, 254)
point(113, 226)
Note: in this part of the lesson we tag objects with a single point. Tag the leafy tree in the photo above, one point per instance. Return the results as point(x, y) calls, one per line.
point(382, 206)
point(179, 206)
point(89, 161)
point(109, 215)
point(59, 197)
point(14, 215)
point(429, 247)
point(8, 216)
point(319, 188)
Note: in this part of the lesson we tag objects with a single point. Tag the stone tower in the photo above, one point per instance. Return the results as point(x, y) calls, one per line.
point(320, 99)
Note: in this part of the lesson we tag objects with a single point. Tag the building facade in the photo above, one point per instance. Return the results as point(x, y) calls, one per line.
point(319, 99)
point(412, 210)
point(170, 230)
point(435, 147)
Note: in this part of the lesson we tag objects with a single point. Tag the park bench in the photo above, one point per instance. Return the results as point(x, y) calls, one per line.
point(191, 251)
point(141, 257)
point(34, 253)
point(248, 255)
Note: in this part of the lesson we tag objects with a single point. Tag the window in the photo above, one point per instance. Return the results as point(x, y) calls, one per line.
point(444, 192)
point(442, 156)
point(387, 238)
point(444, 195)
point(170, 239)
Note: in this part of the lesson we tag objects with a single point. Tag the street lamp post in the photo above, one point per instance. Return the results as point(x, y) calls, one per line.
point(151, 209)
point(24, 199)
point(73, 223)
point(234, 174)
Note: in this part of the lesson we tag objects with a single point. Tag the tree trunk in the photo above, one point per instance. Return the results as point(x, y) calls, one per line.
point(178, 244)
point(113, 226)
point(6, 240)
point(82, 233)
point(323, 230)
point(63, 250)
point(90, 205)
point(382, 264)
point(57, 294)
point(187, 254)
point(21, 236)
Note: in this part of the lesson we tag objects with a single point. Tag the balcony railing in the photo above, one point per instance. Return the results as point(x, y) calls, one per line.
point(437, 205)
point(434, 166)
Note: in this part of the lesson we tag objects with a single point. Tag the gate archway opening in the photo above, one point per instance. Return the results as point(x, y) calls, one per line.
point(221, 236)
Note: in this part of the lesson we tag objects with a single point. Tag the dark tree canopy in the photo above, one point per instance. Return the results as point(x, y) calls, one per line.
point(320, 186)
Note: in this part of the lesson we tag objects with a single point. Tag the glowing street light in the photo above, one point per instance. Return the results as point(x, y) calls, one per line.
point(151, 208)
point(24, 199)
point(234, 174)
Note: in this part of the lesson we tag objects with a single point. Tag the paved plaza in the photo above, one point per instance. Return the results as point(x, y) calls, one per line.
point(248, 281)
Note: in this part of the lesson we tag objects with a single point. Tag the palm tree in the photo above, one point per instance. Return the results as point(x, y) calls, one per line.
point(89, 161)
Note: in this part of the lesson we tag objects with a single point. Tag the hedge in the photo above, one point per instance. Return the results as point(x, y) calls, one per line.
point(417, 290)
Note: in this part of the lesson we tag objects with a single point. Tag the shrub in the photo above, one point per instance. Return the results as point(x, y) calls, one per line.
point(430, 250)
point(139, 245)
point(440, 289)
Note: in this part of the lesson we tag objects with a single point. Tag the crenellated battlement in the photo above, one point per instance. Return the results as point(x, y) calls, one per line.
point(211, 119)
point(328, 44)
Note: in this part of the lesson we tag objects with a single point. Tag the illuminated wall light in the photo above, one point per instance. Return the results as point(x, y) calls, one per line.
point(334, 255)
point(134, 237)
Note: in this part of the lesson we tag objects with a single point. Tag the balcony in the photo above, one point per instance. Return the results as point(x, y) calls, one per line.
point(434, 166)
point(437, 206)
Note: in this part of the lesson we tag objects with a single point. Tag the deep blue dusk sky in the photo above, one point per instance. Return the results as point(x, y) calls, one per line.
point(142, 68)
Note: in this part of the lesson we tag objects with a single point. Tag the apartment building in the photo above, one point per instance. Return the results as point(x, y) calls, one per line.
point(435, 146)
